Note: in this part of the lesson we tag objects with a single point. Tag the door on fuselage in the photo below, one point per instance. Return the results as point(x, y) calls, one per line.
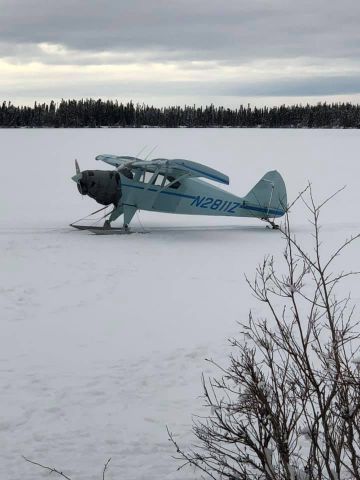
point(166, 193)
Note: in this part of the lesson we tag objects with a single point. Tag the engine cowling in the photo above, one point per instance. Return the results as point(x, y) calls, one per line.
point(104, 186)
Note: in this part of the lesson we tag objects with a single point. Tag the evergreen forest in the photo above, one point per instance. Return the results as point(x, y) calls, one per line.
point(108, 113)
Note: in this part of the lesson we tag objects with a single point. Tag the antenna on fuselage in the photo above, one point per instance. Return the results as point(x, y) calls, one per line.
point(151, 151)
point(138, 154)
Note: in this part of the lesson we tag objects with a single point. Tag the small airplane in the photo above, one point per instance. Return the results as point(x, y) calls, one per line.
point(175, 186)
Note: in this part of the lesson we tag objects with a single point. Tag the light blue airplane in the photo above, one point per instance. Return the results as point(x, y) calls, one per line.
point(174, 186)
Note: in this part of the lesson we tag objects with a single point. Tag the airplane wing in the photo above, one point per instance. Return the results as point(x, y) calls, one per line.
point(174, 167)
point(195, 169)
point(115, 160)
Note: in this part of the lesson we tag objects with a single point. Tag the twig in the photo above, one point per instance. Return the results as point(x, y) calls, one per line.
point(299, 195)
point(51, 469)
point(105, 468)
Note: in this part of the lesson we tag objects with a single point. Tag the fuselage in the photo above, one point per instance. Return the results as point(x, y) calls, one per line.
point(190, 196)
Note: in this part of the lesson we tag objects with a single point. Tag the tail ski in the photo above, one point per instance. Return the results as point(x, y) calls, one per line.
point(269, 194)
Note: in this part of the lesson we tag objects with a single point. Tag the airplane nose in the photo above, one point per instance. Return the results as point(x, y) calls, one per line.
point(102, 186)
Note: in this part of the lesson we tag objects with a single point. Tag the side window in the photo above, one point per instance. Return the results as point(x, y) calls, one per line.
point(159, 179)
point(170, 179)
point(127, 173)
point(146, 177)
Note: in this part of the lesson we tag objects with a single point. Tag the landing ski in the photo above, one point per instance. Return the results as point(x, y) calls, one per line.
point(106, 230)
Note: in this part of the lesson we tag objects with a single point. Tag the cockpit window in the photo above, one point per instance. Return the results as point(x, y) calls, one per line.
point(170, 179)
point(159, 180)
point(146, 176)
point(165, 181)
point(127, 173)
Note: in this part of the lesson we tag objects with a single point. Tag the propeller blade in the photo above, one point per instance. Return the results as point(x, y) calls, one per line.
point(77, 168)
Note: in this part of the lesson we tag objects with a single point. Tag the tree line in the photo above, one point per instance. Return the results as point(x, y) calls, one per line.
point(109, 113)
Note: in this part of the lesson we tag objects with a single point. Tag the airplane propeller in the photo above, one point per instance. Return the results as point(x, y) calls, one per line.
point(77, 168)
point(77, 178)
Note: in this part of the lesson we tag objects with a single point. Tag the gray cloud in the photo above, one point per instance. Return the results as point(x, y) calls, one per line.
point(306, 87)
point(287, 48)
point(231, 31)
point(311, 86)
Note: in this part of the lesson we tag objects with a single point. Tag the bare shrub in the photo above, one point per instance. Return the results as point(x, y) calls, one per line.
point(288, 405)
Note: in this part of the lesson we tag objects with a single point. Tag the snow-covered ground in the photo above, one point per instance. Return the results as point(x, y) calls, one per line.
point(103, 339)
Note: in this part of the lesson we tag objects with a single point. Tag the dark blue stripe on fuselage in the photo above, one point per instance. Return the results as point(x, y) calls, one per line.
point(263, 210)
point(192, 197)
point(176, 194)
point(132, 186)
point(179, 195)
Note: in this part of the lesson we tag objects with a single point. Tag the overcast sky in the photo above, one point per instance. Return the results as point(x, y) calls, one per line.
point(180, 51)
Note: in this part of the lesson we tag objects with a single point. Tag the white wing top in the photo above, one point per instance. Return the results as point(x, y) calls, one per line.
point(176, 166)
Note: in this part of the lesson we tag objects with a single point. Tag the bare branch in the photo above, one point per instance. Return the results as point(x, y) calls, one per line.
point(50, 469)
point(105, 468)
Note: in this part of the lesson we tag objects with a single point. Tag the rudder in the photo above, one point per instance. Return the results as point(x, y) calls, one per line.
point(269, 194)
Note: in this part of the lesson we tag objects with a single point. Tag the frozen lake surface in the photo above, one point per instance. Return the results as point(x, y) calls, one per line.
point(104, 339)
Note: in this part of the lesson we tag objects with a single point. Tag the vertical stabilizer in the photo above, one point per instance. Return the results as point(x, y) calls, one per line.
point(269, 194)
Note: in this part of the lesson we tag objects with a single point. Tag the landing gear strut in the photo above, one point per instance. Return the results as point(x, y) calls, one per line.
point(272, 224)
point(107, 225)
